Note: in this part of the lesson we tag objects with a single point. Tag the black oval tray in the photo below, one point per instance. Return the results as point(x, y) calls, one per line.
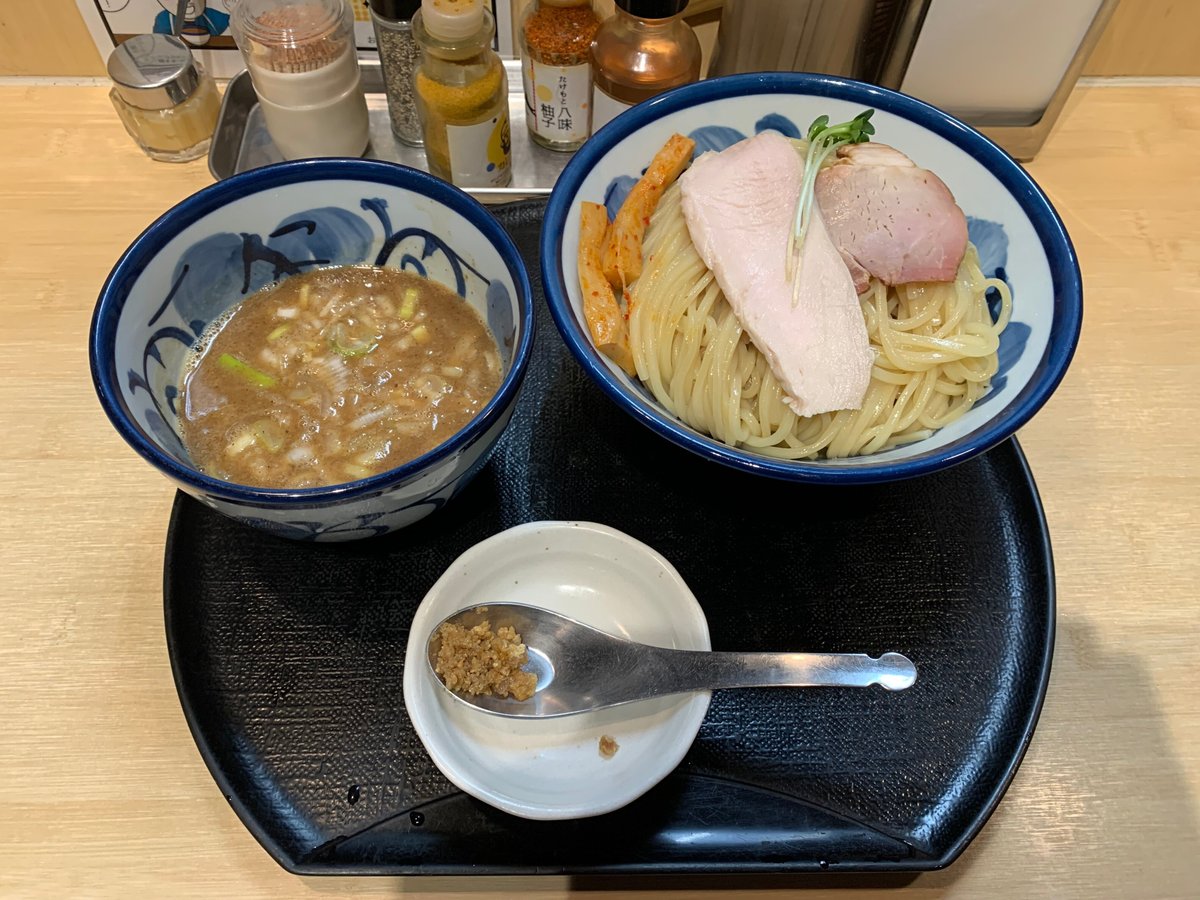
point(289, 657)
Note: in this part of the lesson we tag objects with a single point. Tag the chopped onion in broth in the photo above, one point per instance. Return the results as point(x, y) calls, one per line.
point(334, 375)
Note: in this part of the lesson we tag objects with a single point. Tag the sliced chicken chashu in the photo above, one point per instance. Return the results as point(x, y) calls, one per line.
point(739, 206)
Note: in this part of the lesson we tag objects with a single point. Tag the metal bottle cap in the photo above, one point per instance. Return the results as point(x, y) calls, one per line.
point(153, 71)
point(400, 10)
point(653, 9)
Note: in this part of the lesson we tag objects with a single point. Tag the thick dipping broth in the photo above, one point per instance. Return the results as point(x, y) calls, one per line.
point(334, 375)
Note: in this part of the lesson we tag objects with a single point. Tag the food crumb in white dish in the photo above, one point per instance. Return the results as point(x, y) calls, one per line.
point(608, 746)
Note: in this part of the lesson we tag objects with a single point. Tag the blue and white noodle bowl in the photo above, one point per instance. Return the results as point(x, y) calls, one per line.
point(1019, 236)
point(231, 239)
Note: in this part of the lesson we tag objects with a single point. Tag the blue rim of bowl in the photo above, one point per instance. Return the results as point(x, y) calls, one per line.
point(1067, 283)
point(113, 295)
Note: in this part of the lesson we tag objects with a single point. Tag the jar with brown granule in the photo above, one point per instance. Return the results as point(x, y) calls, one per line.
point(556, 38)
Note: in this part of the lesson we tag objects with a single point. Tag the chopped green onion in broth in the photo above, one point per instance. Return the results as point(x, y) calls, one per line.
point(366, 368)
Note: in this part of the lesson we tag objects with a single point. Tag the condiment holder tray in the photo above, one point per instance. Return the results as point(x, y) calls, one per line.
point(289, 657)
point(241, 141)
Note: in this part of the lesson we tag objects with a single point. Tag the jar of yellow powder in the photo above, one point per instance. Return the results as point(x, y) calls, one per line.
point(462, 94)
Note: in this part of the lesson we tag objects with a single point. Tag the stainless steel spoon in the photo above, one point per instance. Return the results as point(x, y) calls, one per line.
point(580, 668)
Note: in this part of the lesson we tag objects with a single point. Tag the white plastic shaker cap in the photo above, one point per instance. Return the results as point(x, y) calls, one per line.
point(452, 20)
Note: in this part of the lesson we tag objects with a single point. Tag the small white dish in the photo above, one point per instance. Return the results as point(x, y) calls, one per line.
point(552, 768)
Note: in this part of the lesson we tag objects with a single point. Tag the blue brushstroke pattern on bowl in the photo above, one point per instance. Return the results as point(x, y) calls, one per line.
point(229, 240)
point(1020, 238)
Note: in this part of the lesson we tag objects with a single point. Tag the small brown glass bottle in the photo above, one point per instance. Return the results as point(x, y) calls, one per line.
point(644, 49)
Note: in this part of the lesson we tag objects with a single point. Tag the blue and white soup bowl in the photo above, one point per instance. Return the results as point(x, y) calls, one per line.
point(1019, 236)
point(233, 238)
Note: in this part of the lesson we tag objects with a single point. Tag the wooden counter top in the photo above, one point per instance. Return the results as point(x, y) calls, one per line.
point(102, 791)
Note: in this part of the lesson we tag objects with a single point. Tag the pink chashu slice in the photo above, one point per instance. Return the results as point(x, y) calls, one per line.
point(890, 218)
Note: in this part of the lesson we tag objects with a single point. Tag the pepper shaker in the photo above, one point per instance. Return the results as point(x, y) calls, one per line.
point(399, 56)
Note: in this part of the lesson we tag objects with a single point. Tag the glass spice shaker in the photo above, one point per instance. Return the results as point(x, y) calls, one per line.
point(644, 49)
point(555, 37)
point(398, 57)
point(462, 94)
point(165, 99)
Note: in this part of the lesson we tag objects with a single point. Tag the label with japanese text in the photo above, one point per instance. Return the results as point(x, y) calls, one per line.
point(558, 101)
